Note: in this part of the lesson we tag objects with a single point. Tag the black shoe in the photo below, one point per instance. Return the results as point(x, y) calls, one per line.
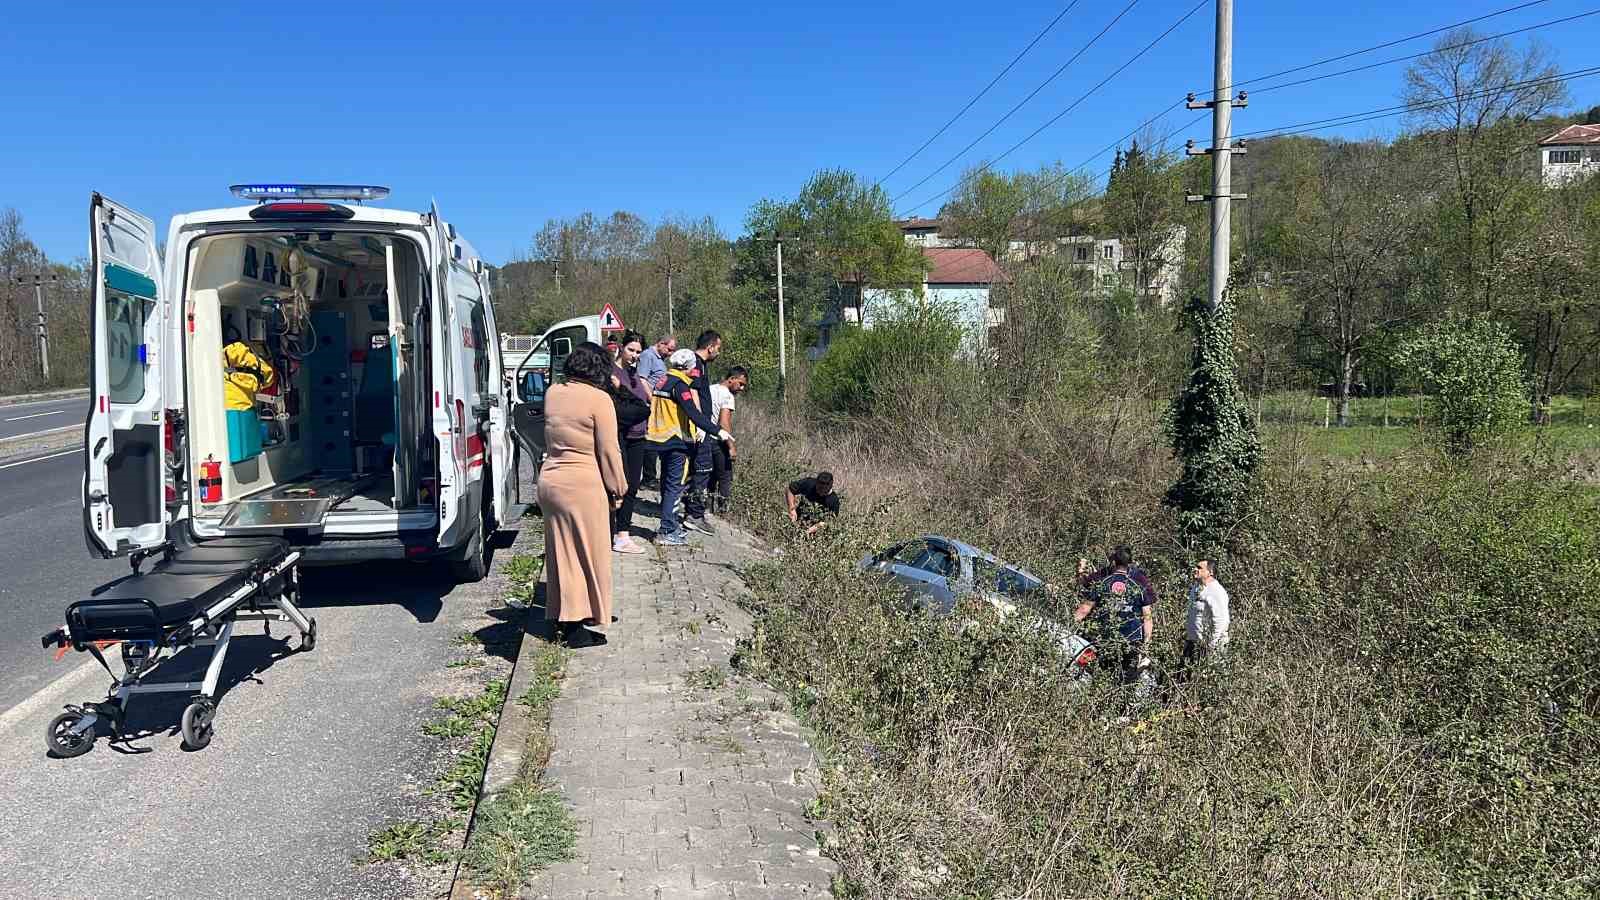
point(698, 523)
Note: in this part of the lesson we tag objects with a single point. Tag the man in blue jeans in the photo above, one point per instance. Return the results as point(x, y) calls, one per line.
point(676, 425)
point(707, 347)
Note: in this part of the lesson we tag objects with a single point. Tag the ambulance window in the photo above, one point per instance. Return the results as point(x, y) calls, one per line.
point(480, 350)
point(251, 266)
point(125, 318)
point(269, 269)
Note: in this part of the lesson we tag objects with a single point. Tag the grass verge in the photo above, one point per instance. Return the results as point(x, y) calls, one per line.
point(527, 826)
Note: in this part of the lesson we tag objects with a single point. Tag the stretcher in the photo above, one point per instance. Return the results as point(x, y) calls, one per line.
point(192, 596)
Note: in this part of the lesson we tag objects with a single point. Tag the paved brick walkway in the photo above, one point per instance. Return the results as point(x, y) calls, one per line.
point(686, 781)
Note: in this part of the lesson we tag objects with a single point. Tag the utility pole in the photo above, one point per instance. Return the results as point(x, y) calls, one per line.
point(1221, 197)
point(44, 334)
point(672, 327)
point(783, 356)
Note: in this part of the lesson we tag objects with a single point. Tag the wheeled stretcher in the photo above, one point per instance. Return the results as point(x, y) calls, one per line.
point(193, 595)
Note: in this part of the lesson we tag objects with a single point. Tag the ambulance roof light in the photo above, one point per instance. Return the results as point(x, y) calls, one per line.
point(264, 192)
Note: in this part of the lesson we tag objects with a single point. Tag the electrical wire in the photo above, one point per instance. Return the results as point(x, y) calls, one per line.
point(979, 96)
point(1012, 111)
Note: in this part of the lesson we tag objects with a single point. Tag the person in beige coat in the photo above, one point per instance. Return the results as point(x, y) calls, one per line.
point(581, 482)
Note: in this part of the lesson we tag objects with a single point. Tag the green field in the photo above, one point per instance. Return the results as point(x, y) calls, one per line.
point(1385, 426)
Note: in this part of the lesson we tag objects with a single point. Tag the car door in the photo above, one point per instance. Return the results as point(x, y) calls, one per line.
point(501, 409)
point(123, 491)
point(530, 384)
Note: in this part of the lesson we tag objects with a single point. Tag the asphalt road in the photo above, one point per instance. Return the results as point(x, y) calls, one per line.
point(44, 565)
point(46, 415)
point(313, 750)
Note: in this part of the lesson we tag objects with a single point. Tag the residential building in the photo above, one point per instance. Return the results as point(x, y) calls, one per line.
point(1106, 263)
point(1572, 152)
point(960, 279)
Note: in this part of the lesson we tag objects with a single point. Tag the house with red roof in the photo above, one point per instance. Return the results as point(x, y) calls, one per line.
point(1572, 152)
point(959, 279)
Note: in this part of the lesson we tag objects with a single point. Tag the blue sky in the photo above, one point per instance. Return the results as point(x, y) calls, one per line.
point(510, 114)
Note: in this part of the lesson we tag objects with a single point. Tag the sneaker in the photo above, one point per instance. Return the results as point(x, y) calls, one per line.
point(675, 539)
point(700, 525)
point(625, 544)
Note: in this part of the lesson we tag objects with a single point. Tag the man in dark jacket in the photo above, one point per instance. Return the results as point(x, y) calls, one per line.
point(1123, 601)
point(706, 348)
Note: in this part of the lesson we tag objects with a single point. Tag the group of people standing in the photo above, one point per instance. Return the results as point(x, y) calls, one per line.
point(617, 414)
point(1121, 601)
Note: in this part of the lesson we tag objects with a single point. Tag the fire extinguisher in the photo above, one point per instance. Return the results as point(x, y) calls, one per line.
point(210, 481)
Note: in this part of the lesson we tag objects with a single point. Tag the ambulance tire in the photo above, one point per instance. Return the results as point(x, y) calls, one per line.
point(475, 567)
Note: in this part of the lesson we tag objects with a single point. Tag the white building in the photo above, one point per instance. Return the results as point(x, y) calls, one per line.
point(1572, 152)
point(960, 280)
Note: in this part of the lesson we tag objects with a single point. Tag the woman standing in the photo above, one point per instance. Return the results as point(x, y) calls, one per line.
point(580, 483)
point(629, 385)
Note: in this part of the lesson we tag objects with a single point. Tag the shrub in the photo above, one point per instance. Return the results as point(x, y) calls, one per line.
point(865, 366)
point(1472, 371)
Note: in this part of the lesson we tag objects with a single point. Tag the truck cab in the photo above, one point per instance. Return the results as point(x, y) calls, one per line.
point(307, 366)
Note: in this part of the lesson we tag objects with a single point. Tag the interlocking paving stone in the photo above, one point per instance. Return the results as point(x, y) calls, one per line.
point(687, 780)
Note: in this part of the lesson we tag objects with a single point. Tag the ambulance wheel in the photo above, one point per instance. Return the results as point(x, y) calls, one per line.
point(196, 724)
point(61, 740)
point(476, 565)
point(308, 641)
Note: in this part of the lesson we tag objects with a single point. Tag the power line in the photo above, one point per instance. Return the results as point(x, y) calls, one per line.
point(1322, 62)
point(1387, 62)
point(979, 96)
point(1384, 45)
point(1370, 115)
point(1012, 111)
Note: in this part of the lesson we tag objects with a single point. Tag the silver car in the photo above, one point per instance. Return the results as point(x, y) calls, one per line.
point(939, 571)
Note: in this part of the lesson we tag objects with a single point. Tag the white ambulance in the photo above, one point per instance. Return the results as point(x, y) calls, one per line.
point(369, 419)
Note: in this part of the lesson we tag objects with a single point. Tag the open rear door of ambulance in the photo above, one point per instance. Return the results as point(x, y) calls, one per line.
point(123, 496)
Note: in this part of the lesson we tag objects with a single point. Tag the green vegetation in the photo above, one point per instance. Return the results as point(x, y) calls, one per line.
point(419, 841)
point(1409, 708)
point(526, 827)
point(1472, 371)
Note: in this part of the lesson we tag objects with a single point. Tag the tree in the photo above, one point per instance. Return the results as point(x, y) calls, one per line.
point(1141, 206)
point(846, 227)
point(1550, 283)
point(990, 209)
point(1356, 280)
point(1211, 431)
point(1475, 96)
point(1472, 371)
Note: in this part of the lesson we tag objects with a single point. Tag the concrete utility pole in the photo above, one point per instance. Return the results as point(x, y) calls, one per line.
point(44, 334)
point(783, 357)
point(1221, 150)
point(672, 327)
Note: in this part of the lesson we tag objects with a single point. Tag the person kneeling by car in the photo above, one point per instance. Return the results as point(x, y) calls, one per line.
point(1123, 602)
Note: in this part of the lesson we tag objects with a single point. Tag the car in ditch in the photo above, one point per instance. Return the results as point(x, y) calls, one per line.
point(939, 572)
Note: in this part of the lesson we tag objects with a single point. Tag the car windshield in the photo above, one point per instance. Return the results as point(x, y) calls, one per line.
point(990, 576)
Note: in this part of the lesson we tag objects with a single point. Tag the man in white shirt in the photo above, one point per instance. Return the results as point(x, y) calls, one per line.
point(1208, 617)
point(724, 396)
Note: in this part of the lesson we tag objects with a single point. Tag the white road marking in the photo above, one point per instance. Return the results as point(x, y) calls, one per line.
point(42, 458)
point(37, 706)
point(56, 412)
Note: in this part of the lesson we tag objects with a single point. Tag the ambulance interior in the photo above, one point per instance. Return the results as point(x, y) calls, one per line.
point(306, 360)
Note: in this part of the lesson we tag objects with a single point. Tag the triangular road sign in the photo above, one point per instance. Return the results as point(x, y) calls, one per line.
point(609, 320)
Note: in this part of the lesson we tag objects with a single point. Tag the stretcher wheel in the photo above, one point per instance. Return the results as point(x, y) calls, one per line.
point(61, 739)
point(196, 723)
point(308, 641)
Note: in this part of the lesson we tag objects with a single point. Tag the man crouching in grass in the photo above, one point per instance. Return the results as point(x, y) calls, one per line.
point(811, 502)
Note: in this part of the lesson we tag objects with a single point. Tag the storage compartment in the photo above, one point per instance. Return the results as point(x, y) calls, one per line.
point(305, 363)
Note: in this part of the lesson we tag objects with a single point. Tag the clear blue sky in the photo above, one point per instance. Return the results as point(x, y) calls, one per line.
point(509, 114)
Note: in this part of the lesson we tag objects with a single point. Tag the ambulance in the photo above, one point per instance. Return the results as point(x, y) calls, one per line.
point(307, 365)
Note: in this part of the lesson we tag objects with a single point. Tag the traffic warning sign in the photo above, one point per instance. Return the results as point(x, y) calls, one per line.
point(609, 320)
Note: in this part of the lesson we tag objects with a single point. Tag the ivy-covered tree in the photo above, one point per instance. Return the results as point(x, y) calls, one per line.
point(1211, 431)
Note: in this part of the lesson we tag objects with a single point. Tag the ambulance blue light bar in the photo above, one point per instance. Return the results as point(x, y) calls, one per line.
point(264, 192)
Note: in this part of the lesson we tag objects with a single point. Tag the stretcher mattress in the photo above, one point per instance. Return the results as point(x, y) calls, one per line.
point(179, 588)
